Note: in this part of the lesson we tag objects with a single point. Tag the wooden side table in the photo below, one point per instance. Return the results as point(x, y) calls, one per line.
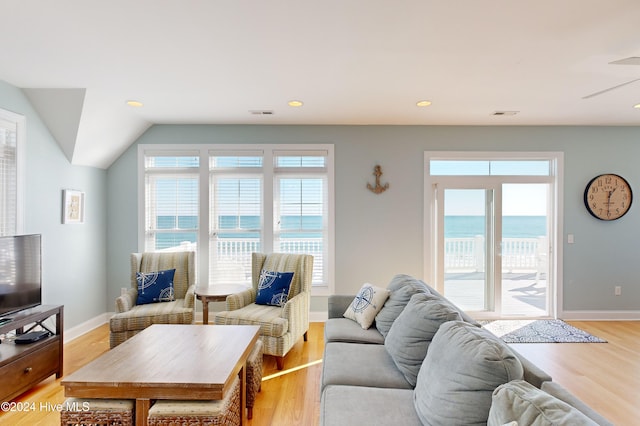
point(216, 293)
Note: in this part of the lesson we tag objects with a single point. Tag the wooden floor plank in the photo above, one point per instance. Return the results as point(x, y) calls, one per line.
point(604, 375)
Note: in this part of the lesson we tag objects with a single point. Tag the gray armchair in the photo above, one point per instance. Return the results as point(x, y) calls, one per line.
point(131, 319)
point(280, 327)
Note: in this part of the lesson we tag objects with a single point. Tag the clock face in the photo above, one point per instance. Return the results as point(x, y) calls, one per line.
point(608, 197)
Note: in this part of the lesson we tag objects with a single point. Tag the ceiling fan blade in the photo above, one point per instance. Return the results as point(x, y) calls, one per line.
point(610, 89)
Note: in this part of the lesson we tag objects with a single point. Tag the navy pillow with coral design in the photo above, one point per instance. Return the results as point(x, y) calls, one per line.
point(273, 288)
point(155, 287)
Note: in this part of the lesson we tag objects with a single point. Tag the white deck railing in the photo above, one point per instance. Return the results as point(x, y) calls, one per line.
point(461, 254)
point(518, 254)
point(231, 257)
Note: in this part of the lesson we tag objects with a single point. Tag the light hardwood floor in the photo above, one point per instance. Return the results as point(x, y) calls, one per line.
point(604, 375)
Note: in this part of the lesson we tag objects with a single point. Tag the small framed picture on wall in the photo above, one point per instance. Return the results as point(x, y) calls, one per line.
point(72, 206)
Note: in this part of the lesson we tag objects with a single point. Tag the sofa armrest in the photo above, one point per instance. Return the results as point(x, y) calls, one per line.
point(337, 304)
point(532, 373)
point(127, 300)
point(554, 389)
point(240, 300)
point(190, 297)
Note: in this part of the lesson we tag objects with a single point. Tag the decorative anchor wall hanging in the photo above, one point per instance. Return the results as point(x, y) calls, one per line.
point(378, 189)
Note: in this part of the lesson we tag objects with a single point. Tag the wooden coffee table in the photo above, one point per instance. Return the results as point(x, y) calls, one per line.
point(168, 362)
point(216, 293)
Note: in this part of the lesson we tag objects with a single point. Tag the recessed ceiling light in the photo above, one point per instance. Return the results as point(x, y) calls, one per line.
point(295, 103)
point(135, 104)
point(637, 106)
point(423, 103)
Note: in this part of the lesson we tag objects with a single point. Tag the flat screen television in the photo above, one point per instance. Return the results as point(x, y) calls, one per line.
point(20, 273)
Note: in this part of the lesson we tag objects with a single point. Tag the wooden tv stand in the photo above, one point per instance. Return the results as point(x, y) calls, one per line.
point(24, 365)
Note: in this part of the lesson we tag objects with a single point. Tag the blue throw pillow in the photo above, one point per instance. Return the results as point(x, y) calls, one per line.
point(155, 286)
point(273, 288)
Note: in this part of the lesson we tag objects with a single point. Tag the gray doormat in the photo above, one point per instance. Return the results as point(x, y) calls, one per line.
point(539, 331)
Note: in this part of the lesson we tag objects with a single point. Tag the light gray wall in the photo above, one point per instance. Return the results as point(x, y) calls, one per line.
point(84, 266)
point(73, 256)
point(378, 236)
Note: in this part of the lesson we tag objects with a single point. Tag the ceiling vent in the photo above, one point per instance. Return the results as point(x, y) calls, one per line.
point(261, 112)
point(505, 112)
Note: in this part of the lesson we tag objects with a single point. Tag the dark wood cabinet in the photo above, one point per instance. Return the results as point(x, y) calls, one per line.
point(24, 365)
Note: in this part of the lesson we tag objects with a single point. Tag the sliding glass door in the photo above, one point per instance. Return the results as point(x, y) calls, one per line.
point(467, 247)
point(491, 241)
point(525, 250)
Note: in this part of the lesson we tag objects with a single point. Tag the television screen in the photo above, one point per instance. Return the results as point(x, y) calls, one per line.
point(20, 274)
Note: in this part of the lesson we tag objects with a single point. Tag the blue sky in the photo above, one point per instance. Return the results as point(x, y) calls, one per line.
point(518, 200)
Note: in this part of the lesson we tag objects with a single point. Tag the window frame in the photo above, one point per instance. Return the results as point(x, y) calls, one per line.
point(220, 174)
point(269, 173)
point(555, 178)
point(19, 122)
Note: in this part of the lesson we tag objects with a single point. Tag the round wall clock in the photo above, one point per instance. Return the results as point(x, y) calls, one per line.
point(608, 197)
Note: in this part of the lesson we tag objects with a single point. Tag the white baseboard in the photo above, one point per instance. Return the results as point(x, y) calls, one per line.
point(601, 315)
point(87, 326)
point(318, 316)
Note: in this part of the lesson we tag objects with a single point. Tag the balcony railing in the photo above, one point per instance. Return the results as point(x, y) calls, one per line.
point(518, 254)
point(230, 258)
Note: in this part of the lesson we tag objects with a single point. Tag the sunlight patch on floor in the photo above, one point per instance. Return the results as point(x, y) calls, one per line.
point(291, 370)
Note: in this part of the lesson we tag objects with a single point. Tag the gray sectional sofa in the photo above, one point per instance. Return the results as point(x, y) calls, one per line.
point(426, 362)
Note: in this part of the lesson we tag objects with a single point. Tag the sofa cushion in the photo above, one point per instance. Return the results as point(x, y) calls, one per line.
point(465, 316)
point(360, 364)
point(401, 288)
point(525, 404)
point(353, 405)
point(411, 333)
point(269, 318)
point(142, 316)
point(155, 286)
point(366, 305)
point(346, 330)
point(273, 288)
point(463, 366)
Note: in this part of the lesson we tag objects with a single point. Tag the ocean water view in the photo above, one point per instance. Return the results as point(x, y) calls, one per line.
point(309, 226)
point(291, 227)
point(512, 226)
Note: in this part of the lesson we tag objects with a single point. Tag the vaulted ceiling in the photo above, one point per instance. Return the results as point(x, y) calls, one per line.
point(533, 62)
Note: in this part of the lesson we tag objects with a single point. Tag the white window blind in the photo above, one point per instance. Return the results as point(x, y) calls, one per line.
point(236, 219)
point(11, 126)
point(301, 208)
point(238, 199)
point(171, 201)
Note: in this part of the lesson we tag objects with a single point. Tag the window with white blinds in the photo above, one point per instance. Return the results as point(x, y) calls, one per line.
point(236, 214)
point(300, 205)
point(171, 200)
point(262, 198)
point(11, 147)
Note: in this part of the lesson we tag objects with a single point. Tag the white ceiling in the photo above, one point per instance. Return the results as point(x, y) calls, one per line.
point(349, 61)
